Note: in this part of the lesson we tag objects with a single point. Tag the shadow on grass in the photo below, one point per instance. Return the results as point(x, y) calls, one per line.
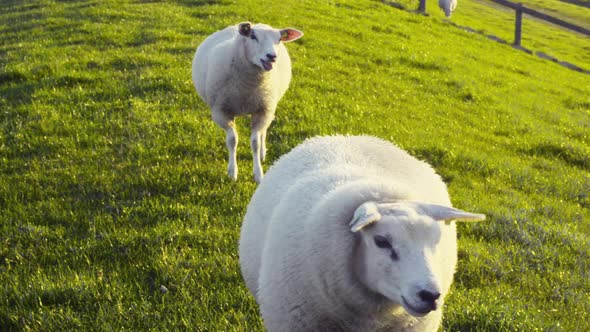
point(200, 3)
point(6, 323)
point(566, 153)
point(423, 65)
point(17, 93)
point(575, 104)
point(444, 160)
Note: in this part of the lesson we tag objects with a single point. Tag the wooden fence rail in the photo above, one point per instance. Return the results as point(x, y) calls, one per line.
point(520, 9)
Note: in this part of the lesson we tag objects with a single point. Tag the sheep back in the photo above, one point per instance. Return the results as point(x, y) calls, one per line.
point(296, 247)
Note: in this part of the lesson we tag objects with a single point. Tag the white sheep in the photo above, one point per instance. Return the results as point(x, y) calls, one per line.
point(448, 6)
point(244, 69)
point(350, 234)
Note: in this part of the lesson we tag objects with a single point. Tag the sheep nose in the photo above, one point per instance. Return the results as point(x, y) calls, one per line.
point(429, 297)
point(271, 57)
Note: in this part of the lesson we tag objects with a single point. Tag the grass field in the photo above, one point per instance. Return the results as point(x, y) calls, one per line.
point(538, 36)
point(116, 213)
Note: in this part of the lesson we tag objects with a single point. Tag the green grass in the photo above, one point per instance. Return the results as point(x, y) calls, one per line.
point(116, 210)
point(571, 12)
point(539, 36)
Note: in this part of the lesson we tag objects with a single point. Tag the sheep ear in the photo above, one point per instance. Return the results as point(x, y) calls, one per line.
point(245, 29)
point(290, 34)
point(364, 215)
point(447, 214)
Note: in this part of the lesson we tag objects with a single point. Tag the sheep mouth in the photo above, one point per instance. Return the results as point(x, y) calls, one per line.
point(267, 65)
point(416, 311)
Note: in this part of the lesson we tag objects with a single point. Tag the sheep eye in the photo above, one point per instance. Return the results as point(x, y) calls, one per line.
point(394, 255)
point(382, 242)
point(253, 36)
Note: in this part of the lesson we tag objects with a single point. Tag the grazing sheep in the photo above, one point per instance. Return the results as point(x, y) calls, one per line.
point(244, 69)
point(350, 234)
point(448, 6)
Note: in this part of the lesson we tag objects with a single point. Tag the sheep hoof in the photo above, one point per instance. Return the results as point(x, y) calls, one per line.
point(232, 172)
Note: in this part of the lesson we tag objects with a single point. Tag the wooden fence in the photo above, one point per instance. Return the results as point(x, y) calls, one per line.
point(519, 10)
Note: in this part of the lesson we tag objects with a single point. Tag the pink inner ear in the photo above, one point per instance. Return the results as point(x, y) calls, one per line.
point(290, 35)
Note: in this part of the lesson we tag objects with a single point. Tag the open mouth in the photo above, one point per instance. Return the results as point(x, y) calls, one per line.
point(266, 65)
point(416, 311)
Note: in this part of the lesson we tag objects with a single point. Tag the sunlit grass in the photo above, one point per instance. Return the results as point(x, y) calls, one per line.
point(116, 210)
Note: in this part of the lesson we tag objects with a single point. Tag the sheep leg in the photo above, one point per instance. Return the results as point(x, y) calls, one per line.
point(263, 145)
point(231, 141)
point(260, 123)
point(268, 118)
point(257, 165)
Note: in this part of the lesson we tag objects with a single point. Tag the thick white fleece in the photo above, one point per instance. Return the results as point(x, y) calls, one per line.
point(448, 6)
point(298, 254)
point(231, 76)
point(226, 79)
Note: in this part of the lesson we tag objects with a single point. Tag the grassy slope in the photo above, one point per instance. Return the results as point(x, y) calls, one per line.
point(573, 13)
point(117, 213)
point(538, 36)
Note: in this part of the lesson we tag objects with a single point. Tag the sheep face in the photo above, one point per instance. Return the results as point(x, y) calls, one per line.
point(397, 252)
point(261, 43)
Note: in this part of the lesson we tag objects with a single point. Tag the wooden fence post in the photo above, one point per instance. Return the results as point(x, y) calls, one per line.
point(422, 6)
point(518, 25)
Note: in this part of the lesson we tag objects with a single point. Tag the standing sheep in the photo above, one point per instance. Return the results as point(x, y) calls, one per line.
point(448, 6)
point(350, 234)
point(244, 69)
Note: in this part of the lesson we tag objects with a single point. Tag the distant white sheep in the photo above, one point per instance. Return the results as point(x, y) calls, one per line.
point(244, 69)
point(448, 6)
point(350, 234)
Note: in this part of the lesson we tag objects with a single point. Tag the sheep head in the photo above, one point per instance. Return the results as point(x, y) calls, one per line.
point(261, 42)
point(397, 253)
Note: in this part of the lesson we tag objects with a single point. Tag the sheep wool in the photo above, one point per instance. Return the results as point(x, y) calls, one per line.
point(448, 6)
point(244, 69)
point(350, 233)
